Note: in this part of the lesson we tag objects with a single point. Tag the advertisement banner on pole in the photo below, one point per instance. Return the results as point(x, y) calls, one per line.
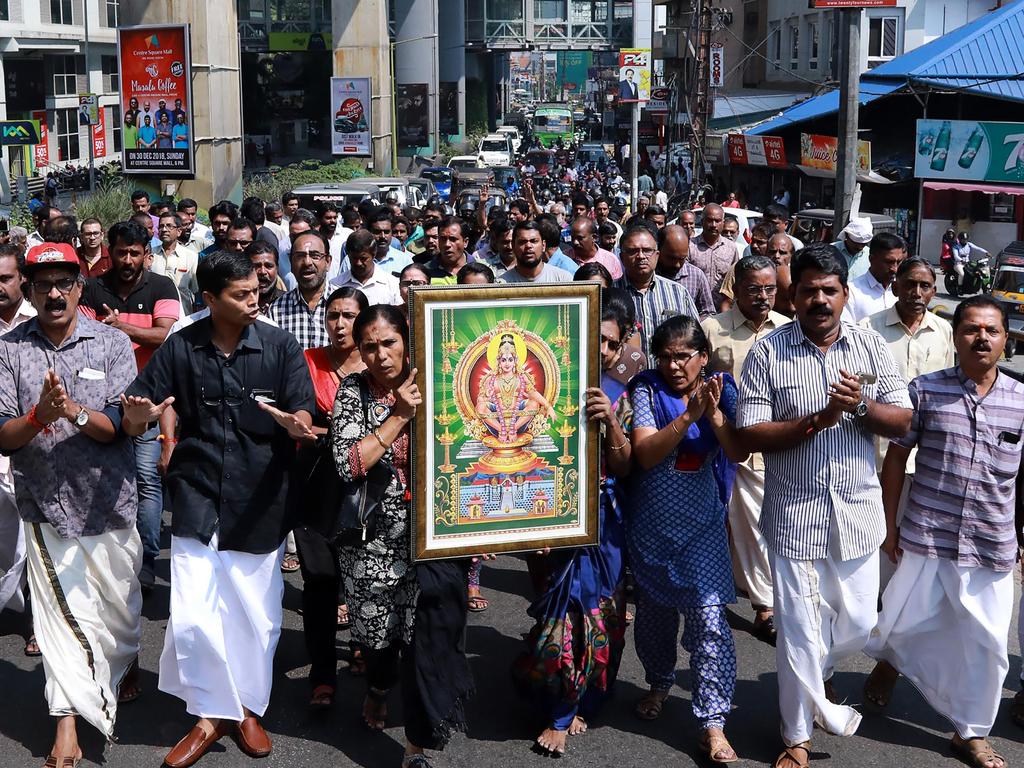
point(757, 150)
point(99, 135)
point(634, 75)
point(350, 128)
point(412, 104)
point(716, 66)
point(821, 152)
point(970, 150)
point(88, 107)
point(155, 67)
point(41, 151)
point(853, 3)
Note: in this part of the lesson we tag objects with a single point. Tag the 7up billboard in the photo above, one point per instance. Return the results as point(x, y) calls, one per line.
point(969, 150)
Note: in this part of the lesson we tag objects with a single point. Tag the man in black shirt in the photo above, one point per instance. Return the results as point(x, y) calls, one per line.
point(243, 396)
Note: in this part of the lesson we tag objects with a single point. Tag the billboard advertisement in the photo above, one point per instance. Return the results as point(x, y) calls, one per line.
point(969, 150)
point(634, 75)
point(99, 135)
point(853, 3)
point(757, 150)
point(351, 135)
point(449, 110)
point(821, 152)
point(155, 67)
point(41, 151)
point(413, 109)
point(88, 109)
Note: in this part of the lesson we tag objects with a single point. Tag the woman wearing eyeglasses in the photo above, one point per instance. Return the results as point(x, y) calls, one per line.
point(574, 649)
point(413, 275)
point(683, 440)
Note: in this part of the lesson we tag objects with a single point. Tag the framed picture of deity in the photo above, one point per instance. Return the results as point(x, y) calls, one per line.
point(504, 459)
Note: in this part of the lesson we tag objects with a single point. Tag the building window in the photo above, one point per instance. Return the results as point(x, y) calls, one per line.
point(65, 75)
point(60, 12)
point(112, 12)
point(111, 80)
point(5, 10)
point(883, 39)
point(549, 10)
point(813, 45)
point(67, 134)
point(115, 126)
point(774, 43)
point(794, 44)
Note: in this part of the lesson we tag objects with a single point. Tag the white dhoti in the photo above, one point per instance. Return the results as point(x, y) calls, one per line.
point(885, 566)
point(86, 605)
point(225, 622)
point(824, 612)
point(12, 550)
point(945, 628)
point(751, 568)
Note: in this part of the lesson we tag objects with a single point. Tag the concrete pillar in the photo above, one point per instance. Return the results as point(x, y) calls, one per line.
point(416, 63)
point(216, 93)
point(452, 64)
point(5, 166)
point(362, 49)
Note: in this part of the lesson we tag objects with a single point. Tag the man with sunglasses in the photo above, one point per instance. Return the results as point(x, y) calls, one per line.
point(61, 374)
point(143, 305)
point(731, 335)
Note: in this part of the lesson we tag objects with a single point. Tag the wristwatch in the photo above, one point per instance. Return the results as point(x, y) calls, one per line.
point(82, 418)
point(861, 410)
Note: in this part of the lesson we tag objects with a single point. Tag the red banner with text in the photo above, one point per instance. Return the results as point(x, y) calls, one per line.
point(757, 150)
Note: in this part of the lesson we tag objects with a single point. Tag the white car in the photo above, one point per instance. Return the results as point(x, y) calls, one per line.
point(747, 221)
point(496, 149)
point(514, 135)
point(465, 163)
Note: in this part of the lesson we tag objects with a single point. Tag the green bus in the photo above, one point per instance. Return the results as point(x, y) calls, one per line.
point(552, 122)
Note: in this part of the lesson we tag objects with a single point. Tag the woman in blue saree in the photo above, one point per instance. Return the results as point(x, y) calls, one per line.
point(574, 648)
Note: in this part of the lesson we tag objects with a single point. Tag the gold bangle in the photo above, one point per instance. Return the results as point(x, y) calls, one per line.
point(617, 447)
point(674, 427)
point(377, 437)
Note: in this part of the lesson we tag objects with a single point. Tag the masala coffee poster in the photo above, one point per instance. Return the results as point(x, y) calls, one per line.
point(156, 100)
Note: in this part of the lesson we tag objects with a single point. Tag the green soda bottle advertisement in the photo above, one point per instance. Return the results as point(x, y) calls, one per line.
point(941, 151)
point(971, 148)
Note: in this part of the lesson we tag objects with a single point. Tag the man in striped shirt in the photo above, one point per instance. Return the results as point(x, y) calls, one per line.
point(947, 610)
point(655, 298)
point(813, 394)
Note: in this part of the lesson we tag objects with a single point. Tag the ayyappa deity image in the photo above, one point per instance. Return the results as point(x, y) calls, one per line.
point(508, 400)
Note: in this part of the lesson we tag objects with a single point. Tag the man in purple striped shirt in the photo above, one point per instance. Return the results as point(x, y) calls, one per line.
point(946, 612)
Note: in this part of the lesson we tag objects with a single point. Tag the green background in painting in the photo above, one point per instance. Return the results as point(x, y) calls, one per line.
point(469, 324)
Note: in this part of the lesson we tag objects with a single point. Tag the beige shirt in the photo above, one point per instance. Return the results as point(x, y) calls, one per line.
point(928, 349)
point(731, 336)
point(181, 267)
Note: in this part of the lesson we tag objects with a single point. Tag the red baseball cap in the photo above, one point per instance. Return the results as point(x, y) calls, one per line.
point(51, 255)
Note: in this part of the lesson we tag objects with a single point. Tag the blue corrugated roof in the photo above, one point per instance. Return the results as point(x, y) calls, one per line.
point(984, 57)
point(825, 104)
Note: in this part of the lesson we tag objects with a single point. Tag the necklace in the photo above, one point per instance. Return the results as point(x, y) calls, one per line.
point(338, 367)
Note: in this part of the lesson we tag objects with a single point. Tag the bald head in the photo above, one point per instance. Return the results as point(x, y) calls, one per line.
point(780, 249)
point(584, 238)
point(673, 248)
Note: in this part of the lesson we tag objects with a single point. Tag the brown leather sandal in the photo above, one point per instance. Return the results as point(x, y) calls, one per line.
point(790, 758)
point(976, 752)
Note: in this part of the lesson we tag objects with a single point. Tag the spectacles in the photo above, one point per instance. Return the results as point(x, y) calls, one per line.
point(639, 251)
point(613, 345)
point(311, 255)
point(682, 358)
point(64, 285)
point(411, 283)
point(757, 290)
point(232, 242)
point(92, 234)
point(231, 401)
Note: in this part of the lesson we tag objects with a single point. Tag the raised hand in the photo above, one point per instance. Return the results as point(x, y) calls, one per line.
point(142, 410)
point(696, 404)
point(296, 428)
point(408, 397)
point(112, 316)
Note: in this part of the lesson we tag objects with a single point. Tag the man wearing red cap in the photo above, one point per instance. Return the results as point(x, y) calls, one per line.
point(61, 375)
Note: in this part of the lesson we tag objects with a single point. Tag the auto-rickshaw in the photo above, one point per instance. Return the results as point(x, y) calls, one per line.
point(815, 225)
point(1008, 289)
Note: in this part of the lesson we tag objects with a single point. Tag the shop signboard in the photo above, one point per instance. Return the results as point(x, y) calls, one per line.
point(821, 152)
point(350, 122)
point(41, 151)
point(16, 133)
point(155, 67)
point(969, 150)
point(853, 3)
point(634, 75)
point(716, 69)
point(757, 150)
point(659, 101)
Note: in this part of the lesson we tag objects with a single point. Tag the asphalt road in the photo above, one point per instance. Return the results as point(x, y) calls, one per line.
point(502, 725)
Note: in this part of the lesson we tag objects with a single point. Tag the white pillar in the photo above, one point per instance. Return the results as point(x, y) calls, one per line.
point(452, 46)
point(416, 61)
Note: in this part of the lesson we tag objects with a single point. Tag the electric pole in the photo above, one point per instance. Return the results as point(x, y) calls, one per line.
point(849, 103)
point(701, 112)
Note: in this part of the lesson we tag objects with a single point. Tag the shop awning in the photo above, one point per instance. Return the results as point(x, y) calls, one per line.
point(868, 178)
point(988, 189)
point(820, 106)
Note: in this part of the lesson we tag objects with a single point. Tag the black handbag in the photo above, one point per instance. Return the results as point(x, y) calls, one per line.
point(345, 512)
